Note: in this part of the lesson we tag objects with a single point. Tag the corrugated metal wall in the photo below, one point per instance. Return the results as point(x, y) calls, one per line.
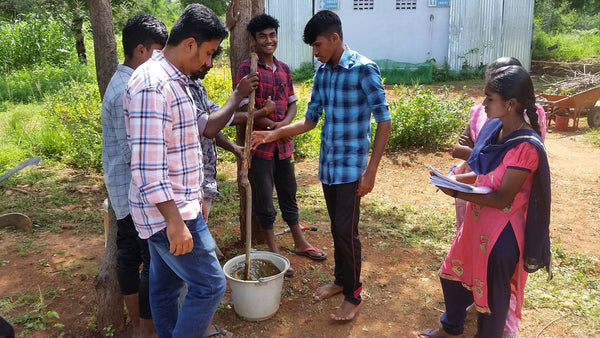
point(293, 16)
point(483, 30)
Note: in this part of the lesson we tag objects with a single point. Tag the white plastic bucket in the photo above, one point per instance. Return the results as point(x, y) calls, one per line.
point(256, 300)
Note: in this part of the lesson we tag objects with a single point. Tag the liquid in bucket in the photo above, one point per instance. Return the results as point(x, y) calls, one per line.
point(259, 268)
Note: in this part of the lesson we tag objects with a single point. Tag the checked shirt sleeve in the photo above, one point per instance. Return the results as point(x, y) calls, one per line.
point(315, 106)
point(372, 86)
point(148, 127)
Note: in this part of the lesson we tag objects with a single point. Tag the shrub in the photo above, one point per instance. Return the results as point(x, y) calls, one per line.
point(306, 145)
point(467, 72)
point(305, 72)
point(423, 117)
point(35, 39)
point(31, 84)
point(565, 34)
point(74, 132)
point(218, 83)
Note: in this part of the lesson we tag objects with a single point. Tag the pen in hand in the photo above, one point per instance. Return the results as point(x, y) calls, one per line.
point(448, 174)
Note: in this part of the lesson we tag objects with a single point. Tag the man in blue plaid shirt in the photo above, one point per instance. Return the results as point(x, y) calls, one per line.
point(348, 89)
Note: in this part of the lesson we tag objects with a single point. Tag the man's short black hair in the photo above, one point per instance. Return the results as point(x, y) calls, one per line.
point(262, 22)
point(323, 23)
point(199, 22)
point(143, 29)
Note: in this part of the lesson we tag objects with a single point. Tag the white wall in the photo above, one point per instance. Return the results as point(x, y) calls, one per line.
point(414, 35)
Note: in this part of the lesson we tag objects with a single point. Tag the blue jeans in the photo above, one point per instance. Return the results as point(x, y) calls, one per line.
point(202, 272)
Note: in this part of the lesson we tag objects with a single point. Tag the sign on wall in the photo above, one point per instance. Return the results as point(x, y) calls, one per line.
point(332, 5)
point(439, 3)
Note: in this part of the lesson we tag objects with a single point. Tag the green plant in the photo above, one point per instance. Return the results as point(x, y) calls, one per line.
point(218, 82)
point(573, 289)
point(32, 83)
point(109, 331)
point(75, 127)
point(561, 33)
point(35, 39)
point(467, 72)
point(306, 145)
point(36, 319)
point(424, 117)
point(24, 247)
point(593, 136)
point(305, 72)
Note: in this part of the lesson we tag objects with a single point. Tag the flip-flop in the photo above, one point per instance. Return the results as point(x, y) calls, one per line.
point(305, 253)
point(428, 333)
point(218, 333)
point(431, 334)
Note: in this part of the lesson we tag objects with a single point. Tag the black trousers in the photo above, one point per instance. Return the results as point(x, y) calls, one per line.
point(502, 262)
point(343, 206)
point(132, 251)
point(265, 175)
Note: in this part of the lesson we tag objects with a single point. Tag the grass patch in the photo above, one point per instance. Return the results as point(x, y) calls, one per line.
point(55, 198)
point(574, 290)
point(36, 318)
point(592, 136)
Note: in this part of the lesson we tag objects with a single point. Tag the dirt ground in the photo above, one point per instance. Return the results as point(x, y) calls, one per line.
point(401, 291)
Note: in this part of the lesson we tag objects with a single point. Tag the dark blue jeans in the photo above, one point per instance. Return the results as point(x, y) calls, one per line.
point(202, 272)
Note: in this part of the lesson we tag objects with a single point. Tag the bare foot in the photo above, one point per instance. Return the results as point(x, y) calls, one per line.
point(346, 311)
point(327, 291)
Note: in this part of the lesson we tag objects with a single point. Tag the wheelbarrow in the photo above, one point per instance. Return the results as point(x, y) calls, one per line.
point(573, 106)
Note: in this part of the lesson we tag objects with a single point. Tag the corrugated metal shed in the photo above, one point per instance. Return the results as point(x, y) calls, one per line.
point(293, 16)
point(483, 30)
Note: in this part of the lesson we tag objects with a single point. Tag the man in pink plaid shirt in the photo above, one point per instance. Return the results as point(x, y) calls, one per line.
point(166, 165)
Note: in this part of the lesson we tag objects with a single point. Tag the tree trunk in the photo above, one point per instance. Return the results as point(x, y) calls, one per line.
point(105, 45)
point(109, 300)
point(108, 295)
point(77, 28)
point(241, 45)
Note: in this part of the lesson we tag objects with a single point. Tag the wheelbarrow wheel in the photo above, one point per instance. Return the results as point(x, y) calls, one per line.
point(593, 117)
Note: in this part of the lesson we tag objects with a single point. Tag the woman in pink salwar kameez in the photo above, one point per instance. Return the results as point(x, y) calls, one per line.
point(505, 232)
